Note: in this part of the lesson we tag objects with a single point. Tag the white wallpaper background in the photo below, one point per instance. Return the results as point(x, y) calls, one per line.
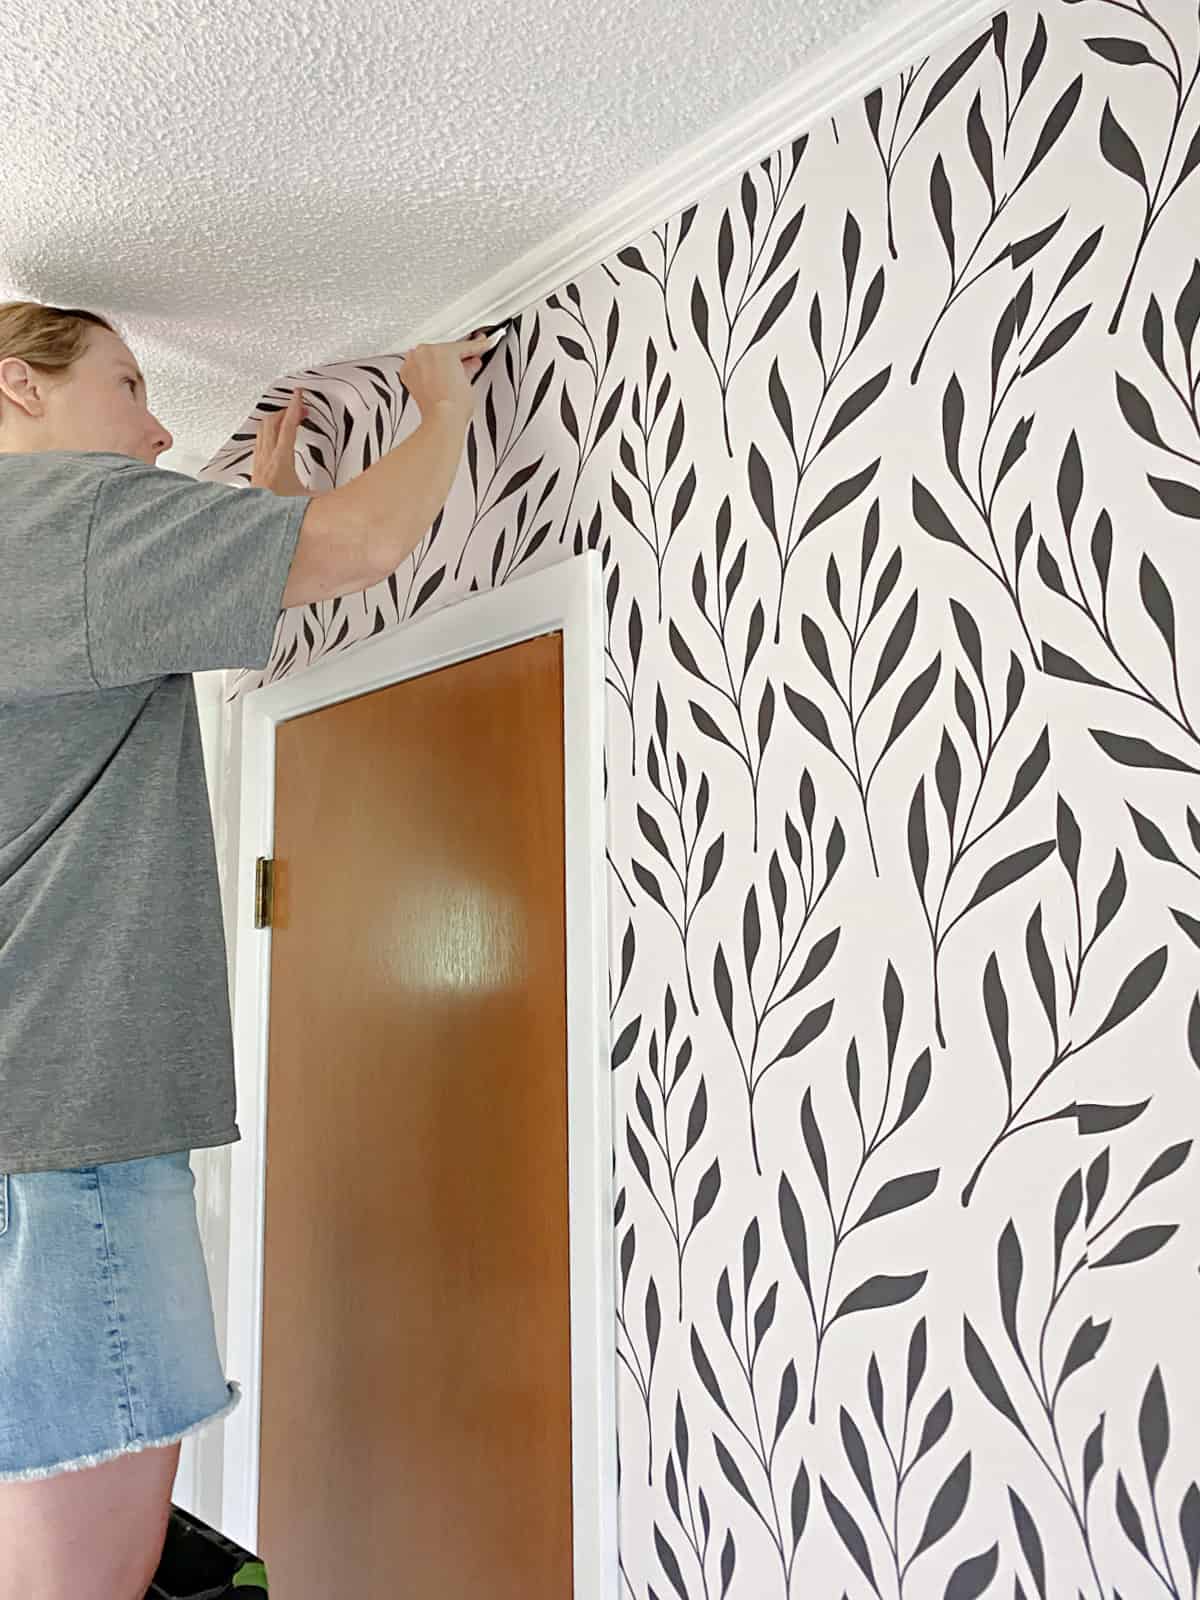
point(892, 450)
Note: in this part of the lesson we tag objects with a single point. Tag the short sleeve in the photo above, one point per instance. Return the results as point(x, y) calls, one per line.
point(183, 575)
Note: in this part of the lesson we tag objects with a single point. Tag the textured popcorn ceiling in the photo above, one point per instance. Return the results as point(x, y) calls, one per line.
point(248, 190)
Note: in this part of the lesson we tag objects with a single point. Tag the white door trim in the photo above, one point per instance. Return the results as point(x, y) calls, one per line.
point(566, 597)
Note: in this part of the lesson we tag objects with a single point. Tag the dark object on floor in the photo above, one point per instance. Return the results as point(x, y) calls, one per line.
point(198, 1563)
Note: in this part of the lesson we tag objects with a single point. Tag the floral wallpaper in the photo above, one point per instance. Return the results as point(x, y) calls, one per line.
point(891, 448)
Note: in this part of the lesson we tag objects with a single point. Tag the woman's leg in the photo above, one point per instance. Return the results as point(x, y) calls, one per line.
point(95, 1533)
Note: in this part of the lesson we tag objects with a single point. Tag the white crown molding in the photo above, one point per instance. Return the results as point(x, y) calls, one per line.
point(836, 78)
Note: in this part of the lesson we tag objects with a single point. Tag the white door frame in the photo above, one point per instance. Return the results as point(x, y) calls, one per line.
point(567, 597)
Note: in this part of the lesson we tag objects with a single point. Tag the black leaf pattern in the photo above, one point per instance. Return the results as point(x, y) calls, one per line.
point(1135, 990)
point(1154, 1437)
point(1031, 1542)
point(853, 704)
point(666, 1143)
point(942, 202)
point(1126, 749)
point(1046, 1424)
point(785, 238)
point(962, 278)
point(682, 864)
point(947, 1503)
point(947, 1506)
point(852, 409)
point(1119, 150)
point(973, 1577)
point(682, 1503)
point(849, 1532)
point(1010, 869)
point(1125, 52)
point(1021, 214)
point(938, 92)
point(982, 496)
point(746, 1353)
point(628, 1352)
point(881, 1290)
point(1082, 1349)
point(752, 714)
point(1178, 497)
point(649, 463)
point(806, 1023)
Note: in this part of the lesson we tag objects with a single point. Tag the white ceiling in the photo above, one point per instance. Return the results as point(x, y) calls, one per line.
point(247, 190)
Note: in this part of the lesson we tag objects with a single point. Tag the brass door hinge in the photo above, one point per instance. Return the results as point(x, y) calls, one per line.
point(264, 887)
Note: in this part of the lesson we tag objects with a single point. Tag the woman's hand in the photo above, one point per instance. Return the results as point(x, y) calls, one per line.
point(274, 465)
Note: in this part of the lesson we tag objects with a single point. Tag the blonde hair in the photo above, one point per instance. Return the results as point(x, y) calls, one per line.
point(50, 338)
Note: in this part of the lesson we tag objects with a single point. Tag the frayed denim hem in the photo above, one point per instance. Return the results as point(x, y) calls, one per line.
point(125, 1449)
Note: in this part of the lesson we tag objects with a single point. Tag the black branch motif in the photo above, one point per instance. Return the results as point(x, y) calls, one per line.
point(883, 1487)
point(598, 371)
point(613, 867)
point(615, 678)
point(895, 1194)
point(1155, 594)
point(949, 780)
point(873, 105)
point(1010, 344)
point(509, 554)
point(785, 239)
point(941, 196)
point(483, 502)
point(1034, 1357)
point(633, 258)
point(1120, 151)
point(891, 654)
point(762, 1435)
point(690, 893)
point(832, 363)
point(1035, 54)
point(637, 465)
point(750, 738)
point(1135, 990)
point(623, 1045)
point(627, 1348)
point(1154, 1437)
point(657, 1117)
point(1182, 499)
point(758, 1060)
point(1140, 1242)
point(1159, 848)
point(684, 1511)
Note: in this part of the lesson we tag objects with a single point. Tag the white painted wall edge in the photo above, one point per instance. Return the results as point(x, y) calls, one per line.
point(210, 1167)
point(836, 79)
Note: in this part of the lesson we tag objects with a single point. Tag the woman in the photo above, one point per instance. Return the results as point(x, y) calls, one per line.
point(117, 581)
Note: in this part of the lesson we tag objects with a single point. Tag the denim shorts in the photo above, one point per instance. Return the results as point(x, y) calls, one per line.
point(107, 1342)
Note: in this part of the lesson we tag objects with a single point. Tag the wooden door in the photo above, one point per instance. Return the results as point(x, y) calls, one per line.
point(416, 1427)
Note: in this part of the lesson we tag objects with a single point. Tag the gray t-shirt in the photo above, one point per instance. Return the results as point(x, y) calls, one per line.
point(117, 581)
